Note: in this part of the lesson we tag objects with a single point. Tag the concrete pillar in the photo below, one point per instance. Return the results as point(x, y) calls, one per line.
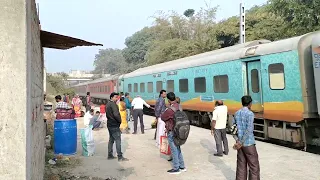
point(21, 91)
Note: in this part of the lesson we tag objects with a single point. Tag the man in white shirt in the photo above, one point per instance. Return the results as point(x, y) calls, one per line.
point(218, 128)
point(137, 104)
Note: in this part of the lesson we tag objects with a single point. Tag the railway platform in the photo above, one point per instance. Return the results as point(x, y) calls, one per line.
point(146, 163)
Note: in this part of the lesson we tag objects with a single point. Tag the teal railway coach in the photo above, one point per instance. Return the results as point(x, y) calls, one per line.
point(278, 75)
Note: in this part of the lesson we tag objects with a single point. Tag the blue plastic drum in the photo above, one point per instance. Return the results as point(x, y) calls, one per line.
point(65, 137)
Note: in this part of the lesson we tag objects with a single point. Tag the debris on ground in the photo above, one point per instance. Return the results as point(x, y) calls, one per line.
point(65, 175)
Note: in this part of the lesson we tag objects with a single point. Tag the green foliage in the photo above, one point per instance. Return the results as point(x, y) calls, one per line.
point(55, 85)
point(137, 46)
point(63, 75)
point(110, 61)
point(168, 50)
point(173, 35)
point(302, 15)
point(188, 12)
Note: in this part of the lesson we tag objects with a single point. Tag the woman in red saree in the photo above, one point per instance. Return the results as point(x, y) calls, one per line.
point(76, 104)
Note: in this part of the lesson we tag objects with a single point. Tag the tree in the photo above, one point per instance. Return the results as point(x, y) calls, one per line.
point(110, 61)
point(137, 46)
point(263, 24)
point(173, 35)
point(163, 51)
point(189, 13)
point(178, 36)
point(302, 15)
point(63, 75)
point(56, 82)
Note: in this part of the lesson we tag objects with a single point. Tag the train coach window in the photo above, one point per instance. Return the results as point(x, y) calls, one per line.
point(200, 84)
point(142, 87)
point(221, 84)
point(170, 85)
point(276, 76)
point(135, 87)
point(183, 85)
point(129, 87)
point(150, 87)
point(255, 85)
point(159, 86)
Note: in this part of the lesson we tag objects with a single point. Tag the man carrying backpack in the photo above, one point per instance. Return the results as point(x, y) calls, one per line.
point(176, 121)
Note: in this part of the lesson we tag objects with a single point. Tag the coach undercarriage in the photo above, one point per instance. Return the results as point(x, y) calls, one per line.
point(298, 135)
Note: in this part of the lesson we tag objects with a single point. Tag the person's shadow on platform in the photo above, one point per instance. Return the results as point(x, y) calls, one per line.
point(217, 161)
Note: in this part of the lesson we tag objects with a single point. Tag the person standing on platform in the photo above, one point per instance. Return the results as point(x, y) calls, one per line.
point(68, 99)
point(113, 124)
point(168, 118)
point(218, 128)
point(159, 108)
point(137, 104)
point(128, 106)
point(76, 104)
point(123, 114)
point(65, 98)
point(103, 111)
point(245, 145)
point(88, 102)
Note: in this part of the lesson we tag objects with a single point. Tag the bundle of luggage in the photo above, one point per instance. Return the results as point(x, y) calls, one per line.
point(65, 113)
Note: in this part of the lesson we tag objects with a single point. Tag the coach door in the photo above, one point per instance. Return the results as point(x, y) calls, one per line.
point(254, 85)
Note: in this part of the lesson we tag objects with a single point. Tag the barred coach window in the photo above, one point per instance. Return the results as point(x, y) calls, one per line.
point(183, 85)
point(170, 85)
point(135, 87)
point(200, 85)
point(221, 84)
point(150, 87)
point(159, 86)
point(142, 87)
point(129, 88)
point(276, 76)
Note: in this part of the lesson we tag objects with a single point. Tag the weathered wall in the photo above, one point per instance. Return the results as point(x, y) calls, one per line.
point(35, 85)
point(21, 92)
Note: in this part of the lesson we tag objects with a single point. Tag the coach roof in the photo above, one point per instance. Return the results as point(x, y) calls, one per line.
point(235, 52)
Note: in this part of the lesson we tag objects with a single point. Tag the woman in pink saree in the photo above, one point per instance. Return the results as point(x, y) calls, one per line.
point(76, 104)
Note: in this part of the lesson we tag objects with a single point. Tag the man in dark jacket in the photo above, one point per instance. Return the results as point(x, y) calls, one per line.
point(113, 124)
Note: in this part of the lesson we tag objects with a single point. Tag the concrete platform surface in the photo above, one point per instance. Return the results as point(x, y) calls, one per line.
point(276, 162)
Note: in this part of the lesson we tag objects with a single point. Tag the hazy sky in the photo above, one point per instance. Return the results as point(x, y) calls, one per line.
point(109, 22)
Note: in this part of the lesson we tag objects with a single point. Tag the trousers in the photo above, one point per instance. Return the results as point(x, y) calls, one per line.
point(248, 156)
point(128, 114)
point(220, 136)
point(177, 158)
point(114, 136)
point(160, 131)
point(138, 113)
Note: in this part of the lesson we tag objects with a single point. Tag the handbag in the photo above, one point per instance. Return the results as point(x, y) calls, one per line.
point(65, 113)
point(164, 146)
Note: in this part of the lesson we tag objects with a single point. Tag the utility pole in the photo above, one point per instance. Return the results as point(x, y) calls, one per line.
point(242, 23)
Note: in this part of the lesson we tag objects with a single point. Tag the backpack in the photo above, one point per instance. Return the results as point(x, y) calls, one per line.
point(181, 126)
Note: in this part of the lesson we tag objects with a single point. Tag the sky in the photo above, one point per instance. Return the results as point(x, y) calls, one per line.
point(109, 22)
